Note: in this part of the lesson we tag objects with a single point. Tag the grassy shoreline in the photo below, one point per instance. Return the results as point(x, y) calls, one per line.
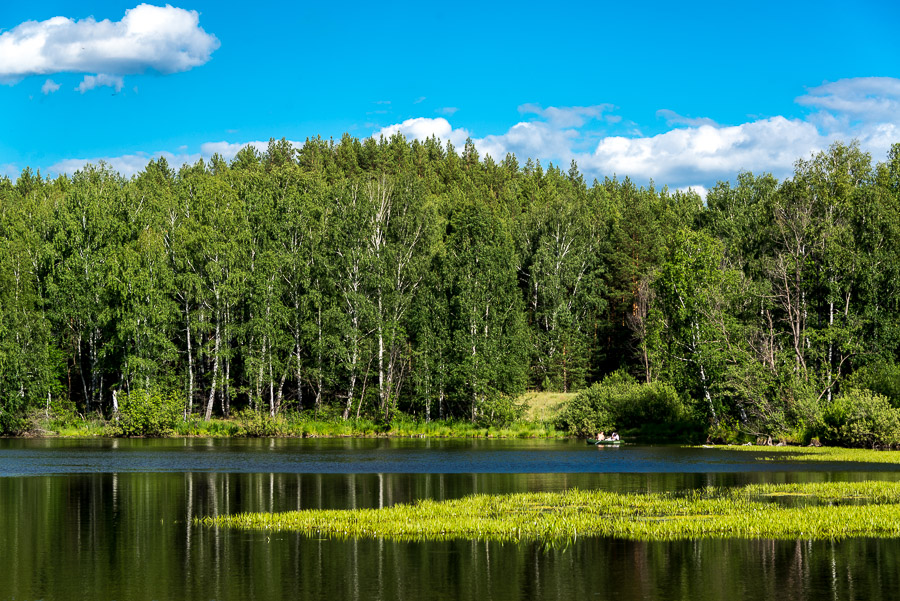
point(299, 426)
point(829, 511)
point(814, 454)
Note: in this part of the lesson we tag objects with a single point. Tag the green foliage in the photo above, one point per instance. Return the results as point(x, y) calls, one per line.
point(360, 281)
point(12, 422)
point(589, 412)
point(257, 424)
point(147, 413)
point(861, 418)
point(500, 410)
point(881, 377)
point(618, 402)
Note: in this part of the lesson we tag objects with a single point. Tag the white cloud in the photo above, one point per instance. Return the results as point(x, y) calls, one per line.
point(422, 128)
point(693, 153)
point(163, 38)
point(697, 152)
point(699, 190)
point(126, 165)
point(864, 108)
point(557, 134)
point(861, 98)
point(96, 81)
point(227, 150)
point(49, 87)
point(567, 116)
point(673, 118)
point(533, 139)
point(131, 164)
point(704, 154)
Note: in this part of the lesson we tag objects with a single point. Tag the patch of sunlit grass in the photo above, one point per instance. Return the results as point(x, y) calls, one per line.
point(789, 453)
point(744, 512)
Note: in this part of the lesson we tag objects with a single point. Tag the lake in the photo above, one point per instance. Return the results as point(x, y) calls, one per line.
point(111, 519)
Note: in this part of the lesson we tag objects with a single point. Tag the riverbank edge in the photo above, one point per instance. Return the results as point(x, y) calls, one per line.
point(813, 454)
point(280, 427)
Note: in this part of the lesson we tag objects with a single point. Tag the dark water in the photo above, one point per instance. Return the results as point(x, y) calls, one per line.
point(104, 519)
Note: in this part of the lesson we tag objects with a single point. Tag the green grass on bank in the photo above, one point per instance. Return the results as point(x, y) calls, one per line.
point(539, 409)
point(828, 511)
point(305, 425)
point(790, 453)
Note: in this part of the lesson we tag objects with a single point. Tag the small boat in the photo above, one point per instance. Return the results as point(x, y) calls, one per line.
point(605, 441)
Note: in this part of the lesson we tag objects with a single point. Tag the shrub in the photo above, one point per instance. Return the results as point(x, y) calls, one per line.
point(257, 424)
point(147, 413)
point(10, 422)
point(499, 410)
point(591, 410)
point(881, 377)
point(618, 402)
point(861, 418)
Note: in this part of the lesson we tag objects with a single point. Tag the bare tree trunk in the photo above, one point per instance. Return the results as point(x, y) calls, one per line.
point(215, 374)
point(319, 368)
point(189, 404)
point(353, 361)
point(298, 375)
point(382, 392)
point(271, 383)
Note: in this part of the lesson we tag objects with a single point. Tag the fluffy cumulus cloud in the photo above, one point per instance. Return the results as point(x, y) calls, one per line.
point(693, 153)
point(529, 139)
point(700, 152)
point(706, 153)
point(166, 39)
point(422, 128)
point(696, 152)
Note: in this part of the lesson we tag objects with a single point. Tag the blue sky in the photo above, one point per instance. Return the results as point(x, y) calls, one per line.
point(685, 94)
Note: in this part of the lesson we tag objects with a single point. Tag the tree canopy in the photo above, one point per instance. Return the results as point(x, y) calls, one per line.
point(386, 276)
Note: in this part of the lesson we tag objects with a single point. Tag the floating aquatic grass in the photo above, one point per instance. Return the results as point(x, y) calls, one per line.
point(817, 454)
point(744, 512)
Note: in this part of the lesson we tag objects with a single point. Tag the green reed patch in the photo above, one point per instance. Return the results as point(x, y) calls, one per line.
point(788, 453)
point(744, 512)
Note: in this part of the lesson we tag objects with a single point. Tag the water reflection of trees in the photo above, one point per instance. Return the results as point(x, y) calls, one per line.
point(129, 536)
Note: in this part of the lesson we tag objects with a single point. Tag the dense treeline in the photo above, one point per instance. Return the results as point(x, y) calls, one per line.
point(377, 277)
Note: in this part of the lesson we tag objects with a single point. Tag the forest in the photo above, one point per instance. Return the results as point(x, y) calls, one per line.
point(387, 278)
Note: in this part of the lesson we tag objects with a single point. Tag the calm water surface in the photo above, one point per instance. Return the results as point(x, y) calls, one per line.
point(104, 519)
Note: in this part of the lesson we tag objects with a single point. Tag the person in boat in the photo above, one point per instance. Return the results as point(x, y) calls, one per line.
point(614, 436)
point(601, 436)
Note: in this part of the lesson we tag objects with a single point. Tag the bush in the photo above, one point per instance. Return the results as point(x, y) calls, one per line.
point(11, 423)
point(147, 413)
point(588, 413)
point(499, 410)
point(618, 402)
point(861, 418)
point(257, 424)
point(881, 377)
